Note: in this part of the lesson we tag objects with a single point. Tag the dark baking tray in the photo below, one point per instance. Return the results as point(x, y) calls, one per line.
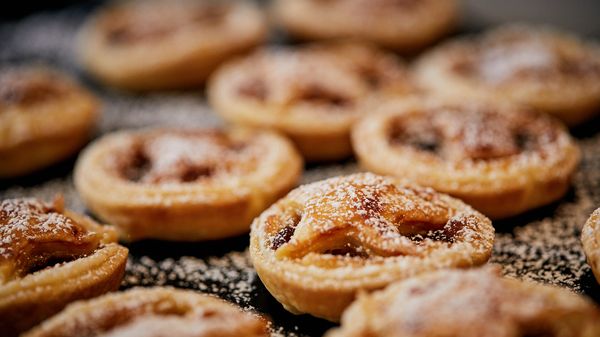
point(542, 245)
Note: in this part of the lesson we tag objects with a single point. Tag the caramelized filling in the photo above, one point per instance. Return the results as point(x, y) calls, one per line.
point(459, 134)
point(255, 88)
point(282, 235)
point(154, 21)
point(318, 95)
point(511, 57)
point(27, 88)
point(420, 136)
point(183, 157)
point(36, 235)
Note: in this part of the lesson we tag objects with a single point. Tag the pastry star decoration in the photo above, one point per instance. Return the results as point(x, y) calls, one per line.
point(376, 218)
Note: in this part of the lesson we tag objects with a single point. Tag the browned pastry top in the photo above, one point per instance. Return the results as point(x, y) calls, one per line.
point(147, 22)
point(366, 217)
point(473, 132)
point(34, 235)
point(28, 87)
point(170, 156)
point(511, 54)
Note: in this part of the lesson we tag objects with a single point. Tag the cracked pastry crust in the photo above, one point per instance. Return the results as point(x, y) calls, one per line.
point(146, 45)
point(313, 93)
point(32, 100)
point(316, 248)
point(549, 70)
point(471, 303)
point(50, 257)
point(185, 184)
point(499, 158)
point(590, 237)
point(152, 312)
point(405, 25)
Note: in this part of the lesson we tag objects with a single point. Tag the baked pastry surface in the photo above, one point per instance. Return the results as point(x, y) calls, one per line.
point(152, 312)
point(549, 70)
point(50, 257)
point(472, 303)
point(313, 93)
point(32, 101)
point(404, 25)
point(590, 237)
point(185, 184)
point(499, 158)
point(316, 248)
point(145, 45)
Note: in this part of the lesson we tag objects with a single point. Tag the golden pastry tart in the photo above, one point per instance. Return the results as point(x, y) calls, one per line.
point(590, 237)
point(185, 184)
point(499, 158)
point(312, 93)
point(152, 312)
point(144, 45)
point(32, 101)
point(548, 70)
point(398, 24)
point(315, 249)
point(49, 257)
point(473, 303)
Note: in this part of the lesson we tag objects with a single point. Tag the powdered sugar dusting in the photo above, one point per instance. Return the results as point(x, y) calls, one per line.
point(371, 216)
point(23, 220)
point(549, 250)
point(230, 276)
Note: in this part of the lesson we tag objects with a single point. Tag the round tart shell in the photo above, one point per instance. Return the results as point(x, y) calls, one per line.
point(317, 20)
point(30, 136)
point(499, 188)
point(320, 132)
point(181, 59)
point(187, 211)
point(572, 100)
point(326, 292)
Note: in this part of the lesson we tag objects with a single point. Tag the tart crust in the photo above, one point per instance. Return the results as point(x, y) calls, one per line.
point(148, 45)
point(546, 69)
point(401, 25)
point(469, 303)
point(32, 100)
point(185, 185)
point(152, 312)
point(590, 237)
point(499, 158)
point(27, 298)
point(313, 94)
point(315, 249)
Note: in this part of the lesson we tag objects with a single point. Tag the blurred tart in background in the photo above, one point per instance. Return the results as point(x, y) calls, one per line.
point(313, 93)
point(144, 45)
point(546, 69)
point(402, 25)
point(45, 117)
